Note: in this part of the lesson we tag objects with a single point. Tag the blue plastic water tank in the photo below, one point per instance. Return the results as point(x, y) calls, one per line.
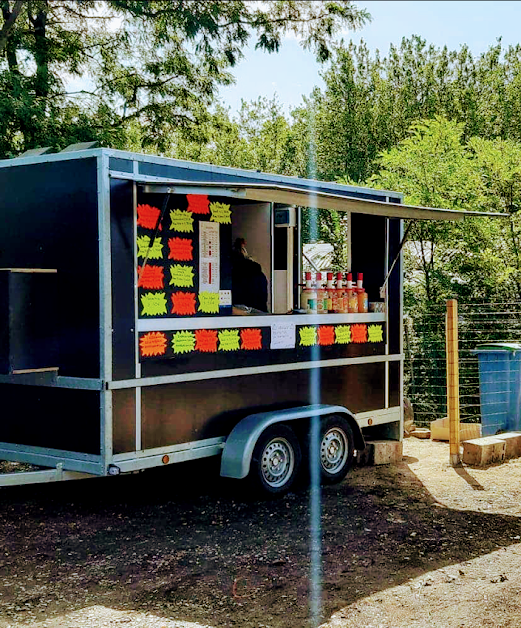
point(499, 386)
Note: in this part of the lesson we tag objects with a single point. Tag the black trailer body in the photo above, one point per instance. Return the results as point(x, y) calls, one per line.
point(119, 346)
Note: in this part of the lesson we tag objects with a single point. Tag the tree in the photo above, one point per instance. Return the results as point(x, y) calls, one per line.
point(434, 167)
point(499, 163)
point(256, 138)
point(370, 101)
point(151, 66)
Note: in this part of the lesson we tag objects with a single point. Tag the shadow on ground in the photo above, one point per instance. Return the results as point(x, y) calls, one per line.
point(183, 544)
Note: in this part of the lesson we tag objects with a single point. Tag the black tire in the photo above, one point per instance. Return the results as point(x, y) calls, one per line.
point(275, 461)
point(336, 448)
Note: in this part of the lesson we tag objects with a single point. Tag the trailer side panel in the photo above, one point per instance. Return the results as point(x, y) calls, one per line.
point(189, 411)
point(56, 418)
point(50, 221)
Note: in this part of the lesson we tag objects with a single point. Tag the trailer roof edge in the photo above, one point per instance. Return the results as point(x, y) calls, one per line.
point(212, 169)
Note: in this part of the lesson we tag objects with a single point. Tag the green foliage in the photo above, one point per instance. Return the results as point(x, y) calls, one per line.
point(475, 259)
point(369, 102)
point(153, 67)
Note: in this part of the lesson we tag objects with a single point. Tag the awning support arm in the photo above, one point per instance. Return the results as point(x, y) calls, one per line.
point(395, 260)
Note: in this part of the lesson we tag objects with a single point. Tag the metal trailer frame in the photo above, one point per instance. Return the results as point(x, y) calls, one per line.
point(114, 165)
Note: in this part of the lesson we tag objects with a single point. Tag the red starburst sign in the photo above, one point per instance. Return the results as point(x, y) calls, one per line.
point(183, 303)
point(251, 339)
point(326, 335)
point(198, 203)
point(206, 340)
point(152, 344)
point(151, 277)
point(359, 333)
point(181, 249)
point(147, 216)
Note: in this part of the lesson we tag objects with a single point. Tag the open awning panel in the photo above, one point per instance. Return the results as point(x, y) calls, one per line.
point(305, 197)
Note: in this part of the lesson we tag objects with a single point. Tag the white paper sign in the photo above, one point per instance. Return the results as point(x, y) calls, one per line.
point(225, 297)
point(209, 257)
point(283, 335)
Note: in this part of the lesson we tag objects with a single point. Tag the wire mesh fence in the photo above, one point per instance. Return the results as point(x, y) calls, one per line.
point(425, 361)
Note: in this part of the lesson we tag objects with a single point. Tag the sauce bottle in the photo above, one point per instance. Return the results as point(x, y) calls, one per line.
point(321, 295)
point(331, 297)
point(363, 299)
point(308, 296)
point(352, 296)
point(340, 305)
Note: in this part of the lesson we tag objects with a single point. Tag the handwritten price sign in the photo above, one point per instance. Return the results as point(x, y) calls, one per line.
point(183, 342)
point(181, 276)
point(198, 203)
point(144, 249)
point(221, 212)
point(229, 340)
point(206, 340)
point(183, 303)
point(375, 333)
point(181, 221)
point(152, 344)
point(209, 302)
point(180, 249)
point(308, 336)
point(147, 217)
point(153, 304)
point(343, 334)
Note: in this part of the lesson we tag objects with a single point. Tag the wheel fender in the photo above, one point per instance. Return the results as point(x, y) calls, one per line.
point(239, 446)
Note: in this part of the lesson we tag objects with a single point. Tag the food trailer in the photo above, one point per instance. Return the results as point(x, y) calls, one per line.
point(121, 346)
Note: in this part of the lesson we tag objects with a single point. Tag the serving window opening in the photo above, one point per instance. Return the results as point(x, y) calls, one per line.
point(229, 281)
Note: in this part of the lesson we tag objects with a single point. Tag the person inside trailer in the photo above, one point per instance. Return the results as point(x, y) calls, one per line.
point(249, 283)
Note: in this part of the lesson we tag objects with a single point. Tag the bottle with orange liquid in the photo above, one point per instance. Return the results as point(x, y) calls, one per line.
point(363, 299)
point(331, 297)
point(352, 296)
point(321, 295)
point(341, 301)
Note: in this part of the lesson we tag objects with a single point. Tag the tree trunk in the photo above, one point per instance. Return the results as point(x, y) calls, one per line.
point(10, 18)
point(41, 55)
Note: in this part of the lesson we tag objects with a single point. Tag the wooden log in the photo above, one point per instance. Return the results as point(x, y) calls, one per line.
point(480, 452)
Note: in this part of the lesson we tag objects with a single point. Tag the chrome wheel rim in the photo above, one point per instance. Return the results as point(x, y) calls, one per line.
point(278, 462)
point(333, 450)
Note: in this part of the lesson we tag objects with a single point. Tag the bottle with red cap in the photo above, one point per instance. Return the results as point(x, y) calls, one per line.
point(308, 296)
point(363, 299)
point(331, 296)
point(321, 295)
point(340, 304)
point(352, 296)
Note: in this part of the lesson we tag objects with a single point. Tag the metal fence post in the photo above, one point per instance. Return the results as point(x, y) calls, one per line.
point(453, 380)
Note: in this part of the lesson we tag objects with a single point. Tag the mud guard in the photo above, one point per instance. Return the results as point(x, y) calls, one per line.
point(239, 446)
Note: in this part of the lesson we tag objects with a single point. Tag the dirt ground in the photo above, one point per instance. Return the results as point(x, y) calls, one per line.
point(419, 544)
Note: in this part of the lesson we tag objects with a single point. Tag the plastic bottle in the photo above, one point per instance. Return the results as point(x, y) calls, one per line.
point(352, 297)
point(308, 296)
point(321, 295)
point(363, 299)
point(331, 297)
point(341, 304)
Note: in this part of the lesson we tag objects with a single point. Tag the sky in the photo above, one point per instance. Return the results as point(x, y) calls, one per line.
point(294, 72)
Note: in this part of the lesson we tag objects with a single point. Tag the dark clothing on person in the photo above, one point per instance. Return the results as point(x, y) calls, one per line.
point(249, 284)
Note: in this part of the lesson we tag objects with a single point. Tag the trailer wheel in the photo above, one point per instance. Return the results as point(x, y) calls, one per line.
point(336, 448)
point(276, 460)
